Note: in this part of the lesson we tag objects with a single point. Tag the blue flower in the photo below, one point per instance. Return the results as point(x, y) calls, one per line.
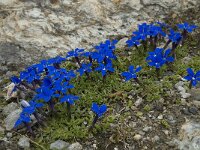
point(15, 80)
point(85, 68)
point(98, 110)
point(155, 30)
point(69, 99)
point(24, 118)
point(142, 31)
point(104, 68)
point(175, 37)
point(134, 41)
point(132, 74)
point(186, 26)
point(194, 78)
point(74, 53)
point(158, 59)
point(44, 93)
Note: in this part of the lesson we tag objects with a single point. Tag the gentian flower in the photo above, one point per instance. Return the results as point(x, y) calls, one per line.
point(132, 74)
point(192, 77)
point(70, 99)
point(74, 53)
point(187, 27)
point(99, 111)
point(175, 37)
point(134, 41)
point(24, 118)
point(44, 93)
point(85, 68)
point(158, 58)
point(104, 68)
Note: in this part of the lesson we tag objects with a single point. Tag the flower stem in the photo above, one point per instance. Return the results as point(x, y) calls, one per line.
point(190, 85)
point(68, 111)
point(158, 72)
point(78, 61)
point(29, 129)
point(93, 123)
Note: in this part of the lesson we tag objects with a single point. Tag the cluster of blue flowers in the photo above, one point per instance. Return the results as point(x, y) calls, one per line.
point(51, 83)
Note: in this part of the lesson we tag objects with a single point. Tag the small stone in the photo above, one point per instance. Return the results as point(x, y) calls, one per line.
point(138, 101)
point(160, 117)
point(166, 132)
point(11, 119)
point(130, 97)
point(9, 108)
point(185, 111)
point(75, 146)
point(195, 94)
point(180, 83)
point(193, 110)
point(171, 119)
point(59, 145)
point(185, 95)
point(24, 143)
point(181, 89)
point(137, 137)
point(155, 138)
point(121, 43)
point(9, 135)
point(146, 129)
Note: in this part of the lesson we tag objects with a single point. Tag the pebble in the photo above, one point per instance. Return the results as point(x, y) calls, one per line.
point(171, 119)
point(59, 145)
point(137, 137)
point(24, 143)
point(193, 110)
point(138, 102)
point(160, 117)
point(75, 146)
point(155, 138)
point(166, 132)
point(9, 135)
point(185, 111)
point(146, 129)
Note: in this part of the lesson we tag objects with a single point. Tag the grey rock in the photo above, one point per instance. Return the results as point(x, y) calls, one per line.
point(147, 129)
point(8, 2)
point(11, 119)
point(185, 111)
point(24, 142)
point(160, 117)
point(121, 43)
point(189, 136)
point(2, 130)
point(185, 95)
point(138, 102)
point(193, 110)
point(195, 94)
point(9, 135)
point(59, 145)
point(75, 146)
point(171, 119)
point(137, 137)
point(9, 108)
point(155, 138)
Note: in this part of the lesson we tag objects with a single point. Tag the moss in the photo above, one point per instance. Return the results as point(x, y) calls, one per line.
point(114, 92)
point(165, 124)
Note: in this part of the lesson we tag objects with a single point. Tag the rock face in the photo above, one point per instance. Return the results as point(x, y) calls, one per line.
point(24, 143)
point(34, 29)
point(11, 119)
point(59, 145)
point(189, 136)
